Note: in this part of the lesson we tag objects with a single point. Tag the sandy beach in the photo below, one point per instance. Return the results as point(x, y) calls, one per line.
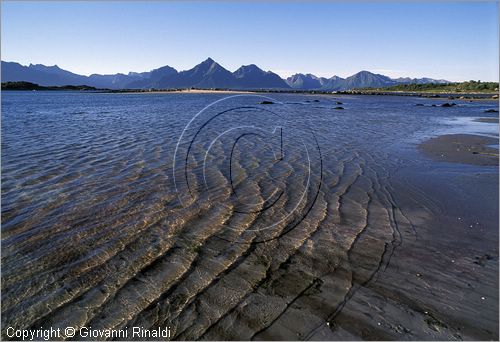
point(183, 91)
point(462, 148)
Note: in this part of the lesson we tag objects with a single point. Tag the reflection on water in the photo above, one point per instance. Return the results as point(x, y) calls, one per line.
point(471, 126)
point(95, 234)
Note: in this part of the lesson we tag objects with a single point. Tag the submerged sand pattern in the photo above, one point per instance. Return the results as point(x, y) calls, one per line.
point(96, 236)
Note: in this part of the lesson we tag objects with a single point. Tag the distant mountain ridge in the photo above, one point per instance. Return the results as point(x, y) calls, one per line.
point(207, 74)
point(362, 79)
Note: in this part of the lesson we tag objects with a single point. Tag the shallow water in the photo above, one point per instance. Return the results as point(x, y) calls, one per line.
point(469, 125)
point(242, 220)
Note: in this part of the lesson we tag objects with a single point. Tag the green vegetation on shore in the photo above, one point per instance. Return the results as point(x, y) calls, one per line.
point(459, 87)
point(34, 86)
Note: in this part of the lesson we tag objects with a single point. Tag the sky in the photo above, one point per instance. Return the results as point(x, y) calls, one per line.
point(456, 41)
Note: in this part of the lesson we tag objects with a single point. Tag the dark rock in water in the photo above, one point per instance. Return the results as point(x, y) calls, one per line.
point(338, 107)
point(433, 105)
point(266, 102)
point(338, 102)
point(316, 101)
point(481, 260)
point(419, 105)
point(448, 104)
point(491, 111)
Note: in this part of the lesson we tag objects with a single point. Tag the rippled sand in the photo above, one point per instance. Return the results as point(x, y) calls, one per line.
point(94, 232)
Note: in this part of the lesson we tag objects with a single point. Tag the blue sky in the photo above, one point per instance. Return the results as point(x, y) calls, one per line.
point(451, 40)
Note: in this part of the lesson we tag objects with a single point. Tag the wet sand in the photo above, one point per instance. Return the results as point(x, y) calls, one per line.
point(487, 120)
point(462, 148)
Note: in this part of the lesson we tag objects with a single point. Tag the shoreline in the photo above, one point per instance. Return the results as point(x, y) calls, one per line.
point(437, 96)
point(430, 94)
point(185, 91)
point(449, 96)
point(462, 148)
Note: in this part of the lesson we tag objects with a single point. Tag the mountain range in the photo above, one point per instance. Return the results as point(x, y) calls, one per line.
point(207, 74)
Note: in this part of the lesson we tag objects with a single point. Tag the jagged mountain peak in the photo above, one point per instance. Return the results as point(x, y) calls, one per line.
point(44, 67)
point(209, 60)
point(246, 70)
point(208, 66)
point(250, 67)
